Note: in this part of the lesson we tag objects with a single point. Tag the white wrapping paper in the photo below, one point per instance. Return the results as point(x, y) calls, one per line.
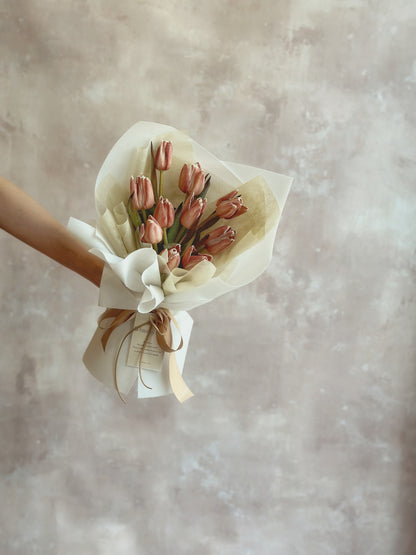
point(132, 278)
point(101, 363)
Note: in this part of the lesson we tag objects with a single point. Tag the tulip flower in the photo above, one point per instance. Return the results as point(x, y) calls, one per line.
point(164, 212)
point(192, 210)
point(151, 232)
point(163, 158)
point(191, 179)
point(162, 161)
point(174, 256)
point(218, 239)
point(230, 206)
point(141, 191)
point(191, 258)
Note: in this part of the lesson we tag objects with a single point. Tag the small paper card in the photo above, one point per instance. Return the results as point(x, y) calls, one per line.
point(152, 358)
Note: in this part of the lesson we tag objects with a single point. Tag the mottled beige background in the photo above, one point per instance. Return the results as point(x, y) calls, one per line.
point(301, 438)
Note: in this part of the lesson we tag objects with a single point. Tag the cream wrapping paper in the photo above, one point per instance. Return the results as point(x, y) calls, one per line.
point(100, 363)
point(135, 279)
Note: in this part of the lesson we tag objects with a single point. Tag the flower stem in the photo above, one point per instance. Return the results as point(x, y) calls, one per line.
point(160, 183)
point(154, 175)
point(208, 222)
point(178, 233)
point(165, 237)
point(181, 235)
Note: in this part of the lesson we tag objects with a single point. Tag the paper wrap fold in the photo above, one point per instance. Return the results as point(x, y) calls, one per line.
point(136, 279)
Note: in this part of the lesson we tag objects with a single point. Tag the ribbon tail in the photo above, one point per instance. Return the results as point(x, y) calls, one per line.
point(119, 317)
point(177, 383)
point(141, 356)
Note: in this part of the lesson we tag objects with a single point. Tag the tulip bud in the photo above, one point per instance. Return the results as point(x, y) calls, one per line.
point(163, 158)
point(164, 212)
point(230, 206)
point(174, 257)
point(198, 182)
point(192, 210)
point(142, 190)
point(191, 258)
point(133, 194)
point(132, 185)
point(151, 232)
point(191, 179)
point(218, 239)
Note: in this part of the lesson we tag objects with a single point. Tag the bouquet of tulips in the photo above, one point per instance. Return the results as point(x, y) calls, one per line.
point(181, 236)
point(164, 206)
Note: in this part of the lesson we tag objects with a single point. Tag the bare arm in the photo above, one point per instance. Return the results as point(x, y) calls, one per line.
point(24, 218)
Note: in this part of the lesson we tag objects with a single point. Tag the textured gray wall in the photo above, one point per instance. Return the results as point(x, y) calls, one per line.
point(301, 437)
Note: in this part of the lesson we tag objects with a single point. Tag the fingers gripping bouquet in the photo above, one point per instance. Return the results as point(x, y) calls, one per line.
point(176, 228)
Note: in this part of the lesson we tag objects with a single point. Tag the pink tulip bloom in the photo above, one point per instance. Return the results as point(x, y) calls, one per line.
point(192, 210)
point(163, 158)
point(164, 212)
point(142, 190)
point(191, 258)
point(230, 206)
point(151, 232)
point(218, 239)
point(191, 179)
point(174, 256)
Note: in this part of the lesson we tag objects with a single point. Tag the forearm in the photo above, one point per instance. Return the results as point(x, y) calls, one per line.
point(24, 218)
